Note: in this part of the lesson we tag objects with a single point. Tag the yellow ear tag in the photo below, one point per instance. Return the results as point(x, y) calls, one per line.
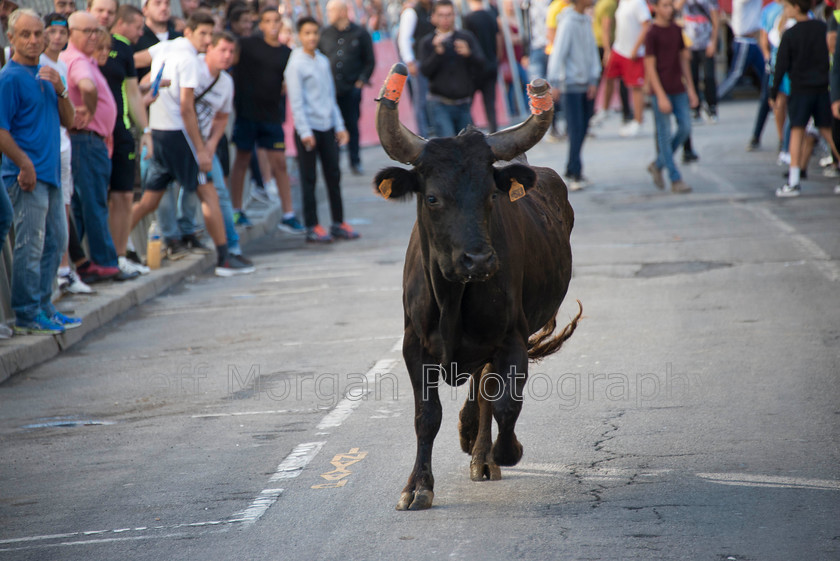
point(517, 191)
point(385, 187)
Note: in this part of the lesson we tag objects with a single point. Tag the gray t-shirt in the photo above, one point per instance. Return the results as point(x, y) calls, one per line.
point(697, 15)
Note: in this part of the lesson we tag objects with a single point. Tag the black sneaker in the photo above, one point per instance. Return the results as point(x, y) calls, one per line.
point(243, 259)
point(689, 157)
point(192, 243)
point(234, 266)
point(754, 144)
point(176, 249)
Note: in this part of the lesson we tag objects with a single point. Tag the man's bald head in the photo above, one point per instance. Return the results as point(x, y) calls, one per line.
point(84, 31)
point(337, 13)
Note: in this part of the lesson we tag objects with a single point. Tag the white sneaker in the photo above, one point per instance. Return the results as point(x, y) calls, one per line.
point(788, 191)
point(826, 161)
point(73, 284)
point(631, 129)
point(260, 195)
point(598, 118)
point(784, 159)
point(128, 266)
point(837, 189)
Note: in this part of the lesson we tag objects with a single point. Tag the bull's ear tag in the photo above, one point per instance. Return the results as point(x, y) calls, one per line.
point(385, 187)
point(517, 190)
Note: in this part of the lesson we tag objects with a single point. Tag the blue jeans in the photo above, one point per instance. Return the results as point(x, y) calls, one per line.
point(40, 241)
point(537, 64)
point(91, 175)
point(763, 108)
point(449, 120)
point(744, 52)
point(667, 144)
point(7, 214)
point(419, 91)
point(579, 109)
point(179, 216)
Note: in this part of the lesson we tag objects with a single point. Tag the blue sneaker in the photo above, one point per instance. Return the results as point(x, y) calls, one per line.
point(66, 322)
point(41, 325)
point(291, 225)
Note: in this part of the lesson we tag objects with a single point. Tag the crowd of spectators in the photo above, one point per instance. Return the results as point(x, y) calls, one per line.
point(113, 113)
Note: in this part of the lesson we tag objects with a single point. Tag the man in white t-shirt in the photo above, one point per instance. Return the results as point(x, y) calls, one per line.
point(180, 151)
point(214, 104)
point(746, 26)
point(632, 19)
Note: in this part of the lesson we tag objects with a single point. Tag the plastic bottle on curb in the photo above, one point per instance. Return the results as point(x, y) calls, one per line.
point(154, 247)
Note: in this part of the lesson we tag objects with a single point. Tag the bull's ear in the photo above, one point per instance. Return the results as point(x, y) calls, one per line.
point(515, 180)
point(396, 183)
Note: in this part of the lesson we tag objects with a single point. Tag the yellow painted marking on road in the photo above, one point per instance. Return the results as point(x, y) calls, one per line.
point(338, 476)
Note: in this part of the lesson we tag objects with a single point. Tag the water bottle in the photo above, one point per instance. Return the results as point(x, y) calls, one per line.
point(154, 246)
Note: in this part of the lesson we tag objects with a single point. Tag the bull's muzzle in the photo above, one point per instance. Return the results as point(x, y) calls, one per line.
point(472, 267)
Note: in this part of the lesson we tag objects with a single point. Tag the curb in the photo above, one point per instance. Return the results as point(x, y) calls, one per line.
point(114, 298)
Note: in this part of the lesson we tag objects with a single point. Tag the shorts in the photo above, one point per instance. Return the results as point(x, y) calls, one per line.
point(67, 176)
point(173, 160)
point(631, 71)
point(803, 106)
point(266, 135)
point(123, 163)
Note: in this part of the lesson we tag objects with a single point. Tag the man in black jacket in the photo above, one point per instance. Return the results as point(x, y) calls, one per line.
point(450, 59)
point(350, 50)
point(158, 27)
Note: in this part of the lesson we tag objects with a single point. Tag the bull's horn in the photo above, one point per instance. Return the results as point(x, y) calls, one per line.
point(512, 141)
point(398, 142)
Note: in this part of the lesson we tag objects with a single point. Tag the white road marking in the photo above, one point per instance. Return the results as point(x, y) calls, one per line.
point(246, 413)
point(350, 402)
point(779, 482)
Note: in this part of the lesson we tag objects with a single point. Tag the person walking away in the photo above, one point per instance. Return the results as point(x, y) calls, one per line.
point(319, 129)
point(603, 26)
point(746, 25)
point(450, 59)
point(632, 20)
point(768, 42)
point(350, 50)
point(574, 69)
point(483, 25)
point(672, 91)
point(803, 55)
point(33, 104)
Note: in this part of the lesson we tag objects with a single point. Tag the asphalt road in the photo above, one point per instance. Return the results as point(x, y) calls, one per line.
point(693, 415)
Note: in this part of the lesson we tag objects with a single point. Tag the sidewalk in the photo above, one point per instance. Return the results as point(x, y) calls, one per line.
point(113, 298)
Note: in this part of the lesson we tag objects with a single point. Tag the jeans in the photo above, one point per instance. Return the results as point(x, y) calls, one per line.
point(537, 64)
point(579, 109)
point(7, 214)
point(709, 84)
point(326, 148)
point(667, 144)
point(40, 241)
point(419, 92)
point(744, 52)
point(349, 104)
point(449, 120)
point(91, 175)
point(182, 213)
point(511, 93)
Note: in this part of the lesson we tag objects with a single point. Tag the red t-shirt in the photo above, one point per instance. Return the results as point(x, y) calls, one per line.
point(666, 44)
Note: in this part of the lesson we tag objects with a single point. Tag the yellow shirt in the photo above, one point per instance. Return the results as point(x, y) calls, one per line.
point(554, 10)
point(604, 9)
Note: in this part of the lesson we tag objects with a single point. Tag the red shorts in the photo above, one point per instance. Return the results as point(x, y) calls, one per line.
point(631, 72)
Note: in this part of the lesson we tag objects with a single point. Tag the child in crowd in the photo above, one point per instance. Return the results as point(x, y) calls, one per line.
point(672, 91)
point(574, 69)
point(319, 129)
point(803, 55)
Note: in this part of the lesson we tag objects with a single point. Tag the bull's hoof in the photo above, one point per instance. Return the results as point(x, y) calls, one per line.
point(507, 453)
point(484, 469)
point(467, 437)
point(416, 500)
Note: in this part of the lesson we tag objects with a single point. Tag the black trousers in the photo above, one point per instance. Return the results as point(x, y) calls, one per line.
point(487, 86)
point(349, 105)
point(709, 90)
point(326, 148)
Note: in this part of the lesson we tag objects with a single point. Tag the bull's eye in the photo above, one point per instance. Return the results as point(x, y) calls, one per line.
point(493, 197)
point(431, 200)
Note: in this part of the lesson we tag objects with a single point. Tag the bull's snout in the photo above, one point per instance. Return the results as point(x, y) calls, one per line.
point(477, 266)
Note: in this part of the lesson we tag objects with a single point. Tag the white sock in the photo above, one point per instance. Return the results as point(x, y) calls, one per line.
point(130, 246)
point(287, 215)
point(63, 271)
point(793, 176)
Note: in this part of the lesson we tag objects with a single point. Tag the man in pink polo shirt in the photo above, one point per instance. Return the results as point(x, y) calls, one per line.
point(96, 113)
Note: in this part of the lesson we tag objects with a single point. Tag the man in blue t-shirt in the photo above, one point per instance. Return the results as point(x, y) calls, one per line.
point(33, 101)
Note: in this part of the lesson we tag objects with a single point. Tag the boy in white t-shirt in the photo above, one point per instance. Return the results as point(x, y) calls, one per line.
point(632, 19)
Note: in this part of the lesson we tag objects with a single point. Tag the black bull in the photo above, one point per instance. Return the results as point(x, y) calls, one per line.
point(486, 270)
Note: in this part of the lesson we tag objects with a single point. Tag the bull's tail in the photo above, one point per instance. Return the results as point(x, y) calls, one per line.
point(544, 342)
